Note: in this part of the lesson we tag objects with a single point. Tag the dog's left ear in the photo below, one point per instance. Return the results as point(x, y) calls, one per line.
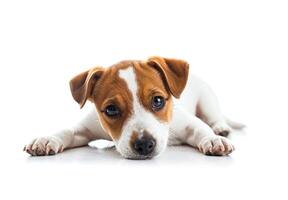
point(173, 71)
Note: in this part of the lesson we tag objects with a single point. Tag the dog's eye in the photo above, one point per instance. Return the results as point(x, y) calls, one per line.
point(112, 111)
point(157, 103)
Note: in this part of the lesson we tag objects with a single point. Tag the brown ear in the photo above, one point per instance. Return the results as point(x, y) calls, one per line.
point(174, 72)
point(82, 85)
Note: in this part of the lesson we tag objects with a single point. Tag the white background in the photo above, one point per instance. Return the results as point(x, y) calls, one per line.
point(239, 47)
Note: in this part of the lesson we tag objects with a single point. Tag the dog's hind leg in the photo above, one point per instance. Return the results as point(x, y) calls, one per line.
point(208, 110)
point(189, 129)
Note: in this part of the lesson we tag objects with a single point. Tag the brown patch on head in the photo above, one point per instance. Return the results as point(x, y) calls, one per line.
point(104, 87)
point(150, 84)
point(112, 90)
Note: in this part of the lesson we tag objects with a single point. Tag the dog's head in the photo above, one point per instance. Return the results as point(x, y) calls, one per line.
point(134, 101)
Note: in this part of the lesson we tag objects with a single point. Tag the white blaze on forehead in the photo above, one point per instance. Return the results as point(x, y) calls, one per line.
point(140, 119)
point(130, 78)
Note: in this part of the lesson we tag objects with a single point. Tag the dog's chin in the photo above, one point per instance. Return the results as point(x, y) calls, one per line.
point(139, 157)
point(134, 156)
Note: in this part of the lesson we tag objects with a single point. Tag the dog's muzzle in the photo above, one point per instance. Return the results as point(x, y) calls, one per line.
point(143, 144)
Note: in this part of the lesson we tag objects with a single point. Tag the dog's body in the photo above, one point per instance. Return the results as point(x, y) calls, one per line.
point(137, 107)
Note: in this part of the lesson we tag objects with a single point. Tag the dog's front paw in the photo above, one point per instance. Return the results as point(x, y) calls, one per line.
point(44, 146)
point(216, 146)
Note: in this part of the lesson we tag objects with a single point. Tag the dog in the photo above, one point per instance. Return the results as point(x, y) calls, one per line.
point(139, 108)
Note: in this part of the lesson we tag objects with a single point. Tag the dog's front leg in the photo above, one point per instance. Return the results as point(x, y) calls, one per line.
point(87, 130)
point(50, 145)
point(193, 131)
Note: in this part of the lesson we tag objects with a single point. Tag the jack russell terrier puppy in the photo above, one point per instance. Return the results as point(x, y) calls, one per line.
point(138, 106)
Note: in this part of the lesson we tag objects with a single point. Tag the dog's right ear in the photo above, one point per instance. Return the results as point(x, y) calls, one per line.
point(82, 85)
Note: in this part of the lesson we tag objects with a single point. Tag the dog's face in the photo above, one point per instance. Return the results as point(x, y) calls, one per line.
point(134, 101)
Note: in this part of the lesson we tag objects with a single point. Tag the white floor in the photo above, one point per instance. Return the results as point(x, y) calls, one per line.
point(257, 169)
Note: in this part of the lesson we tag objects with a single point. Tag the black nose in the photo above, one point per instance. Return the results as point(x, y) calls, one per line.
point(144, 145)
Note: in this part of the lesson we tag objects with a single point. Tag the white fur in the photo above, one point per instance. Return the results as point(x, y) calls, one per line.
point(140, 120)
point(185, 127)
